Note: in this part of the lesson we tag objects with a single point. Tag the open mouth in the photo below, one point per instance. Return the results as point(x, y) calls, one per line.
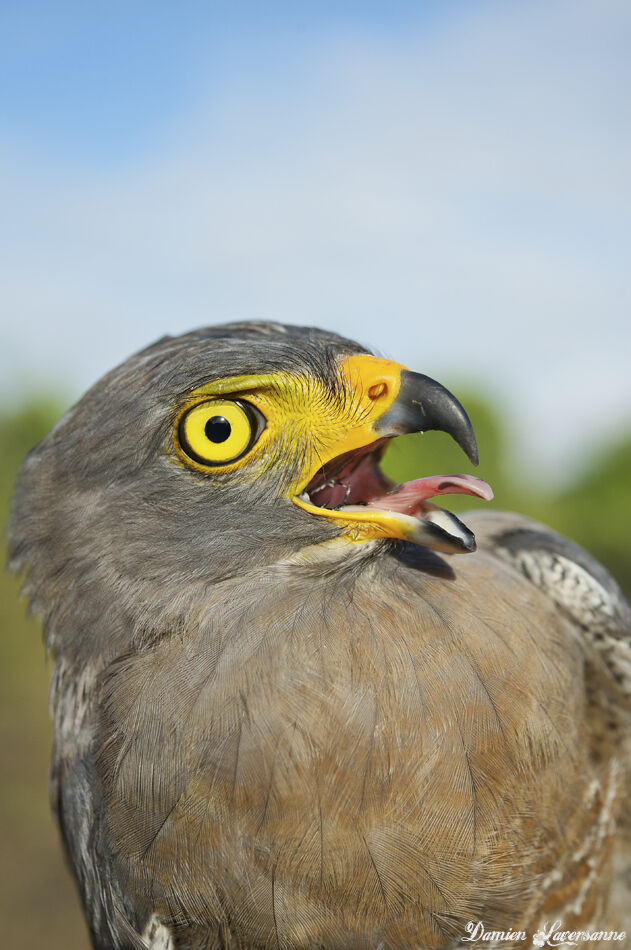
point(352, 488)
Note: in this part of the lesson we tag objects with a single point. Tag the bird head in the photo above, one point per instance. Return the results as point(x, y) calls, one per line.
point(215, 453)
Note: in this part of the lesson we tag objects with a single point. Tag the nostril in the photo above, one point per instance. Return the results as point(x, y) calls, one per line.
point(377, 390)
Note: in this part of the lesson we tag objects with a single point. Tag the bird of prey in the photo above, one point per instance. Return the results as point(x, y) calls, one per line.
point(294, 707)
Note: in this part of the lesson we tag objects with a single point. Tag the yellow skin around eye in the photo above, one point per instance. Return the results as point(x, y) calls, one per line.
point(300, 415)
point(193, 429)
point(305, 422)
point(304, 419)
point(308, 424)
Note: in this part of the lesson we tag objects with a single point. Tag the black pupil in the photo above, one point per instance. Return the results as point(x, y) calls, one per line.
point(217, 429)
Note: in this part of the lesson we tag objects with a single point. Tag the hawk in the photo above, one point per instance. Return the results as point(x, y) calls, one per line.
point(294, 707)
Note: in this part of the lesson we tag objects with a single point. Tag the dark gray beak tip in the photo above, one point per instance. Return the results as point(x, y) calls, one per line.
point(471, 451)
point(423, 404)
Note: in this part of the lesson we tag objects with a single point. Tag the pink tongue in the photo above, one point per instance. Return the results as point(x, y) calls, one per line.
point(408, 497)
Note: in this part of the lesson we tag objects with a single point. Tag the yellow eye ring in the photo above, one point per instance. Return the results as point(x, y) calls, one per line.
point(219, 431)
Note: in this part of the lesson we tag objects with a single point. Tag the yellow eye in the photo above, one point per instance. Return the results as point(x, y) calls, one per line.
point(219, 431)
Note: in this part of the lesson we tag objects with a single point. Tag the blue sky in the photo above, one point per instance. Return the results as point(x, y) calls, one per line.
point(447, 182)
point(103, 82)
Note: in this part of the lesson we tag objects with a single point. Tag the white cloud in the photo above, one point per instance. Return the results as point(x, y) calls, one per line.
point(460, 201)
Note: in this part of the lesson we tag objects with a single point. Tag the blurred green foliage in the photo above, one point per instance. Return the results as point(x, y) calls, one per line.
point(38, 904)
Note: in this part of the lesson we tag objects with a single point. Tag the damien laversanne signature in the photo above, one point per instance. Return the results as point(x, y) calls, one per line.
point(550, 935)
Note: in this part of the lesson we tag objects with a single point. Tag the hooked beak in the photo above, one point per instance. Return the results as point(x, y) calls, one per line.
point(423, 404)
point(390, 400)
